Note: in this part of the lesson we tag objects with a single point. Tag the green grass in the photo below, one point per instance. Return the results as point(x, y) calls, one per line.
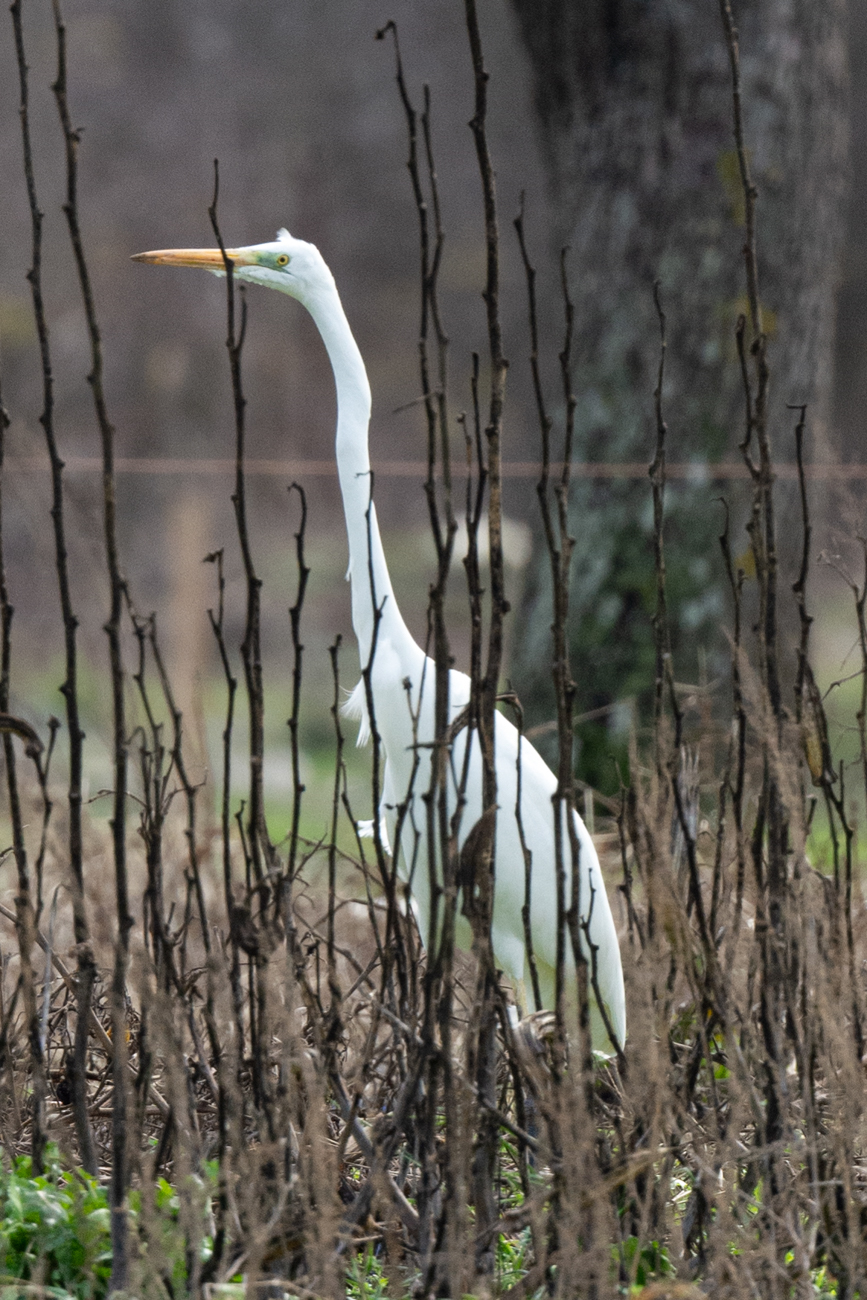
point(55, 1230)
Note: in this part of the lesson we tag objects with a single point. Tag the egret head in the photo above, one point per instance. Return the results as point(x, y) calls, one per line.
point(287, 264)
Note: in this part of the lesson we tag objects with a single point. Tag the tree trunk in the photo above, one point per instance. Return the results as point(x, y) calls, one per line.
point(634, 100)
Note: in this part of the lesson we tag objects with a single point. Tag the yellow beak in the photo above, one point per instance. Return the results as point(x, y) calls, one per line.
point(209, 258)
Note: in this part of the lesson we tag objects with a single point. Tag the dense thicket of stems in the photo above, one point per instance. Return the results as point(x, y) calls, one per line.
point(359, 1085)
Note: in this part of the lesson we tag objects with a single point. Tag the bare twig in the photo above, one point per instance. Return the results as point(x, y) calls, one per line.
point(120, 1135)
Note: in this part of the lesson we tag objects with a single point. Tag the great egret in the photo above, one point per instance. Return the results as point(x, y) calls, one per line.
point(298, 269)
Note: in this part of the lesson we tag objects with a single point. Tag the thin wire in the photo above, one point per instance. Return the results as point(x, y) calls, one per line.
point(694, 471)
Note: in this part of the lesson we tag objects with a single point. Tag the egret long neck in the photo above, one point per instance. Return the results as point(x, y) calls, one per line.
point(368, 572)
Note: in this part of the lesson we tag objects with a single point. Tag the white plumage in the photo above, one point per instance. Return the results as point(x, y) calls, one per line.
point(297, 268)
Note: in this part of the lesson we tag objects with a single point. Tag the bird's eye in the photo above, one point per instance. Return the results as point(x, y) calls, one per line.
point(283, 259)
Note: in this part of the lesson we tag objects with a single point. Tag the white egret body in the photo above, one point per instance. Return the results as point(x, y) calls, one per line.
point(298, 269)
